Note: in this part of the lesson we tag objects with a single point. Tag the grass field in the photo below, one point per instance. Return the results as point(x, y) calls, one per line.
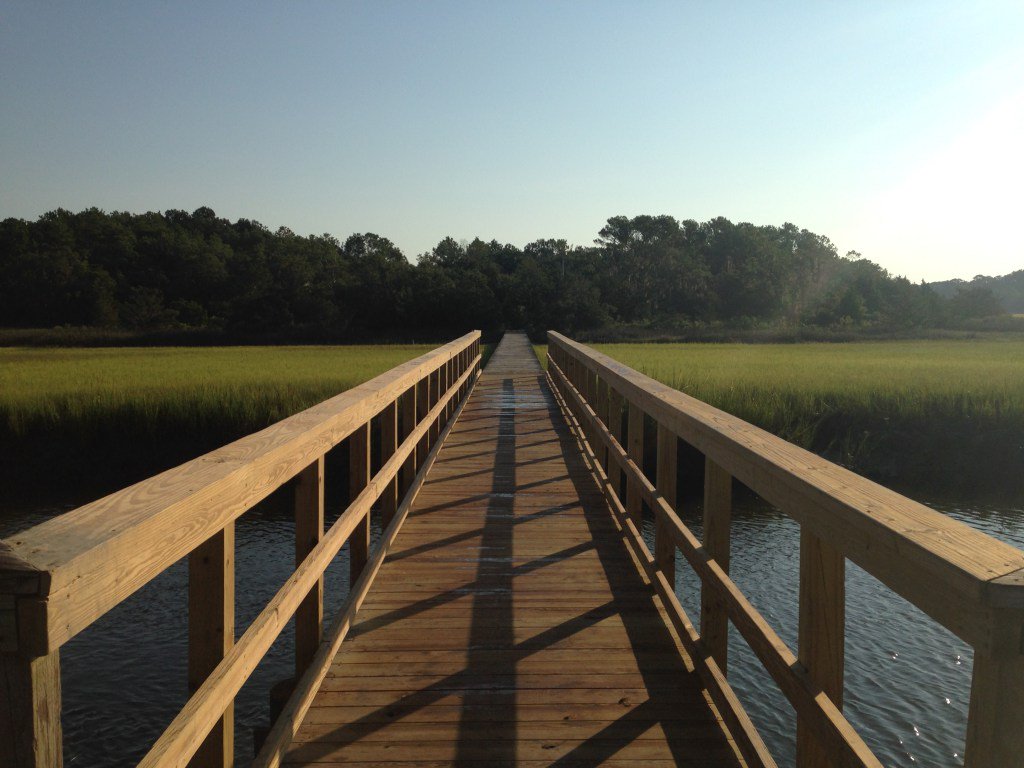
point(918, 414)
point(75, 415)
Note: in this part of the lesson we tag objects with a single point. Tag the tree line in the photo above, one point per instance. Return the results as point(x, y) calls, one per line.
point(180, 270)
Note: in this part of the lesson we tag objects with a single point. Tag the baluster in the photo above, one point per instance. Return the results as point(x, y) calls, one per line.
point(388, 446)
point(664, 543)
point(422, 399)
point(408, 425)
point(601, 408)
point(30, 699)
point(211, 634)
point(309, 530)
point(714, 620)
point(822, 633)
point(635, 449)
point(995, 736)
point(358, 479)
point(615, 427)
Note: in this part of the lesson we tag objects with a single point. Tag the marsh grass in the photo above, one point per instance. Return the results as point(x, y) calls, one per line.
point(942, 416)
point(98, 418)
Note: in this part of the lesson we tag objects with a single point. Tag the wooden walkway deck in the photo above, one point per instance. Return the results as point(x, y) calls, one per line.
point(510, 624)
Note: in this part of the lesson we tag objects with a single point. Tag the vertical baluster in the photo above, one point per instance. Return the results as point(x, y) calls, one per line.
point(309, 530)
point(615, 427)
point(30, 702)
point(822, 633)
point(211, 634)
point(435, 382)
point(358, 479)
point(995, 736)
point(714, 620)
point(664, 543)
point(635, 448)
point(601, 408)
point(408, 425)
point(422, 400)
point(388, 445)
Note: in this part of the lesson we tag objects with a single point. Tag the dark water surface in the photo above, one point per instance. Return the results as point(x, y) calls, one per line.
point(907, 678)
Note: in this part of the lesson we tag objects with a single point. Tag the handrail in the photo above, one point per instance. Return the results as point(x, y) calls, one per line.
point(59, 577)
point(966, 580)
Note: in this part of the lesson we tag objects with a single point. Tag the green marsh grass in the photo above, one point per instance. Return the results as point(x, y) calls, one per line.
point(946, 416)
point(69, 416)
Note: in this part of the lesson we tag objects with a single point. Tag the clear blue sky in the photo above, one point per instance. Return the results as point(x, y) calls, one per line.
point(895, 128)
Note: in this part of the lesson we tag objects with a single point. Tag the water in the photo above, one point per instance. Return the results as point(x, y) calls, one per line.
point(907, 678)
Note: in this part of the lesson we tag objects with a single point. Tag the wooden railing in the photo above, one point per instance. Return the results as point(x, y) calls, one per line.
point(967, 581)
point(58, 578)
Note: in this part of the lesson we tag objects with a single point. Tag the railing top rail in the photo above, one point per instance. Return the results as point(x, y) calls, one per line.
point(954, 572)
point(92, 558)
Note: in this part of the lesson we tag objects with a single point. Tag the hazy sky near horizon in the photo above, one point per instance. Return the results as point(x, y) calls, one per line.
point(894, 128)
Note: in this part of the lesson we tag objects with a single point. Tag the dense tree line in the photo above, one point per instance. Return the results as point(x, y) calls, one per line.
point(179, 270)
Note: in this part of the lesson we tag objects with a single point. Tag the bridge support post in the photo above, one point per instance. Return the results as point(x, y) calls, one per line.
point(664, 544)
point(615, 427)
point(309, 530)
point(714, 619)
point(358, 479)
point(995, 736)
point(211, 634)
point(635, 449)
point(388, 446)
point(408, 425)
point(821, 634)
point(30, 733)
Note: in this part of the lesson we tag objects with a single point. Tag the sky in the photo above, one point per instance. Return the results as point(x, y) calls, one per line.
point(894, 128)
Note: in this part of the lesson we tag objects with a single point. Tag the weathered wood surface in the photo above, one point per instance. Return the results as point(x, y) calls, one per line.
point(509, 623)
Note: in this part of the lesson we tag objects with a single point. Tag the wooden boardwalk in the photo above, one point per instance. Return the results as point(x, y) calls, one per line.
point(509, 623)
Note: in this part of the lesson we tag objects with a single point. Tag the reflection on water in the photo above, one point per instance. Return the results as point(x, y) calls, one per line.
point(907, 678)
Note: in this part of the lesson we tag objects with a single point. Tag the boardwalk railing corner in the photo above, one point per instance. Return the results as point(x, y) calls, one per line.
point(59, 577)
point(966, 580)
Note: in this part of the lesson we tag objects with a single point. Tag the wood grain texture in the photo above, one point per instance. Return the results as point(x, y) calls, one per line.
point(714, 619)
point(99, 554)
point(211, 635)
point(508, 621)
point(941, 565)
point(30, 706)
point(309, 530)
point(358, 479)
point(822, 633)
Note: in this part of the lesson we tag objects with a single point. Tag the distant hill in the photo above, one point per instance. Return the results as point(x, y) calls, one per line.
point(1008, 289)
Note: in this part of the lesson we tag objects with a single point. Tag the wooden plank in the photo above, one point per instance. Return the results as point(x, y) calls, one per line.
point(30, 708)
point(615, 404)
point(635, 449)
point(358, 479)
point(664, 541)
point(907, 546)
point(101, 553)
point(309, 530)
point(507, 597)
point(211, 635)
point(822, 634)
point(409, 420)
point(714, 619)
point(388, 446)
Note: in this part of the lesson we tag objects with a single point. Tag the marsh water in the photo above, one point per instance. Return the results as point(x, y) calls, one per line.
point(907, 678)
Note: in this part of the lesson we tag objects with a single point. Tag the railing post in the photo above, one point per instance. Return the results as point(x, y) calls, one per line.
point(408, 425)
point(422, 408)
point(601, 408)
point(995, 721)
point(388, 446)
point(358, 479)
point(821, 634)
point(635, 449)
point(664, 544)
point(615, 427)
point(30, 733)
point(309, 530)
point(211, 634)
point(435, 395)
point(714, 620)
